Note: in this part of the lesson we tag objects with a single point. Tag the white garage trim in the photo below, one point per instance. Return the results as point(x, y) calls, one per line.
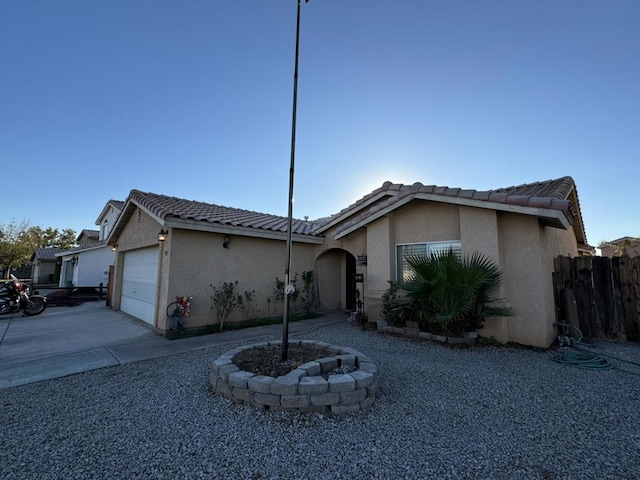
point(139, 283)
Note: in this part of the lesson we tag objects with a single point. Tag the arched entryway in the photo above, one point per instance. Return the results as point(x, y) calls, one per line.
point(335, 279)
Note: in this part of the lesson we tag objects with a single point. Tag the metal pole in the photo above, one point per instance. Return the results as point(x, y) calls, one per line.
point(287, 292)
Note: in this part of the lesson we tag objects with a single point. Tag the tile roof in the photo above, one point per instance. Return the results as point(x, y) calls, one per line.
point(164, 207)
point(622, 240)
point(92, 234)
point(119, 204)
point(558, 194)
point(45, 253)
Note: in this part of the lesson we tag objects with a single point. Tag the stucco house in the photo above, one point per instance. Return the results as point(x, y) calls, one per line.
point(43, 265)
point(523, 228)
point(622, 246)
point(87, 265)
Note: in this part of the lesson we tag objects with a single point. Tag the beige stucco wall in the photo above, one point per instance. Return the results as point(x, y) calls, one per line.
point(408, 224)
point(191, 261)
point(521, 247)
point(630, 248)
point(331, 268)
point(526, 253)
point(198, 261)
point(437, 221)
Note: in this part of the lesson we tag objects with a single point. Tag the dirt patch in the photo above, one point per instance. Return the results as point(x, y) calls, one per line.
point(266, 360)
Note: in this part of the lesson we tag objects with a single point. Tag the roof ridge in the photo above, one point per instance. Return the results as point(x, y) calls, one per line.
point(549, 194)
point(164, 206)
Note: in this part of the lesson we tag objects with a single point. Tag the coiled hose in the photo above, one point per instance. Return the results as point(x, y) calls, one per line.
point(580, 357)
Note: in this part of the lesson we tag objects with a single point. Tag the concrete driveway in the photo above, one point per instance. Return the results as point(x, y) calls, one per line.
point(67, 340)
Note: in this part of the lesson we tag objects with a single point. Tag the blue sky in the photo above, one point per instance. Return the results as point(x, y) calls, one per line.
point(193, 99)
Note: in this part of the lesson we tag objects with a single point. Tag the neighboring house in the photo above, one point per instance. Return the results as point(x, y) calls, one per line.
point(522, 228)
point(622, 246)
point(43, 265)
point(87, 265)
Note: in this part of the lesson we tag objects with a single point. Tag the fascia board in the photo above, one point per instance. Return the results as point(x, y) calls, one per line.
point(187, 224)
point(545, 213)
point(375, 216)
point(353, 211)
point(125, 216)
point(104, 212)
point(79, 250)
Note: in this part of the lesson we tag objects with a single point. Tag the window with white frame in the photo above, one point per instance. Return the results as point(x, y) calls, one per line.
point(427, 248)
point(104, 230)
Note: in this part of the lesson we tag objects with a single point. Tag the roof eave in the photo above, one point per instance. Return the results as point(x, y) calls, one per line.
point(125, 214)
point(104, 211)
point(203, 226)
point(75, 250)
point(551, 217)
point(353, 211)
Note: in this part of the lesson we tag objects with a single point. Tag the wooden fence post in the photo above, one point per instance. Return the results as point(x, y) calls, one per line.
point(600, 295)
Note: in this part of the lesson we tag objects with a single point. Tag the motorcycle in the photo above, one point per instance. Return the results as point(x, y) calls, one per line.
point(14, 296)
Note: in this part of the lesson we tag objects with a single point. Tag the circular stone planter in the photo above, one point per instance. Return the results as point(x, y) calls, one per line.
point(304, 389)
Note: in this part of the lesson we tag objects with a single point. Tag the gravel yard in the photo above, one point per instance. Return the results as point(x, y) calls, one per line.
point(442, 413)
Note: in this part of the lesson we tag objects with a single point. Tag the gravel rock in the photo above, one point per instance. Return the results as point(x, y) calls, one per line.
point(441, 413)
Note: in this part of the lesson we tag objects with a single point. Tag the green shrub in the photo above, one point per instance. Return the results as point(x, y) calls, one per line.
point(308, 294)
point(224, 301)
point(391, 303)
point(449, 293)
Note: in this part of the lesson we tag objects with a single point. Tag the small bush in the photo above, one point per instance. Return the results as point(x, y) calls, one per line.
point(224, 301)
point(391, 303)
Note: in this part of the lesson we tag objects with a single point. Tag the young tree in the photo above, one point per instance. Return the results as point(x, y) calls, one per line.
point(224, 300)
point(18, 240)
point(15, 246)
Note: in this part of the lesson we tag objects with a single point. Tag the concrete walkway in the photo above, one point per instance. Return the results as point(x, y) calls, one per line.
point(67, 340)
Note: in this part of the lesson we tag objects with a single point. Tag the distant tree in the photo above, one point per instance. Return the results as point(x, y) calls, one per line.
point(18, 240)
point(51, 237)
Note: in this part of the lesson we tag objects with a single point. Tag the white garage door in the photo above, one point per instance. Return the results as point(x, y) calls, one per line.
point(139, 281)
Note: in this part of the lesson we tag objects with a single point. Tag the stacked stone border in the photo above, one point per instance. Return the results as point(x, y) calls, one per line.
point(413, 331)
point(304, 389)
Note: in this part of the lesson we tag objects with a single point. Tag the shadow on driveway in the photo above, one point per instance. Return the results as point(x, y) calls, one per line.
point(67, 340)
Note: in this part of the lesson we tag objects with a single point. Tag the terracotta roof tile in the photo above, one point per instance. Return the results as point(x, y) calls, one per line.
point(551, 194)
point(466, 193)
point(540, 202)
point(499, 197)
point(166, 207)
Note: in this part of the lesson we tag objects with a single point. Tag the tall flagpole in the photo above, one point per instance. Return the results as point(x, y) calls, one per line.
point(288, 287)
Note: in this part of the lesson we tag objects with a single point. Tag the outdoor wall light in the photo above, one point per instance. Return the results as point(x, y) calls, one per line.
point(162, 235)
point(74, 261)
point(114, 248)
point(225, 241)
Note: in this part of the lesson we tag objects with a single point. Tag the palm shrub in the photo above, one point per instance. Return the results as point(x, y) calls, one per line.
point(448, 293)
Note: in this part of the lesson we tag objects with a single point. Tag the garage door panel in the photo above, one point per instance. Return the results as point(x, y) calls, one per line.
point(139, 290)
point(141, 310)
point(139, 283)
point(141, 273)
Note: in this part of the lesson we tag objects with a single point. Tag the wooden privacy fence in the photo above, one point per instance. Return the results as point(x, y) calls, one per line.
point(600, 295)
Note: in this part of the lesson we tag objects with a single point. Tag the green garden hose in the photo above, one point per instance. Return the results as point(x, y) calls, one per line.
point(580, 357)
